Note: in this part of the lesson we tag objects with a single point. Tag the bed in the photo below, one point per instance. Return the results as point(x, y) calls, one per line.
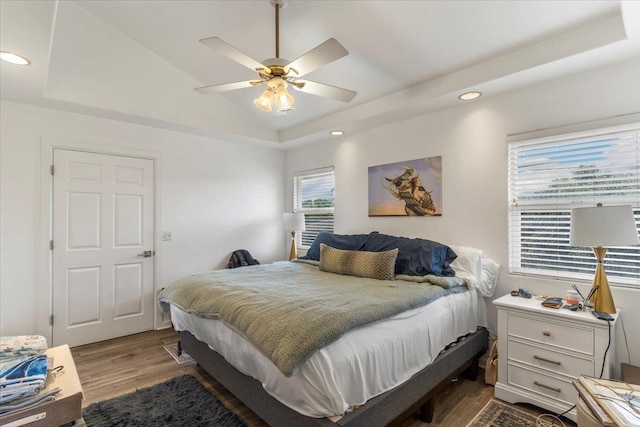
point(378, 371)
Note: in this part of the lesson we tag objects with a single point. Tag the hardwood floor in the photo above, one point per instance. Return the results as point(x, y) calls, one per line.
point(111, 368)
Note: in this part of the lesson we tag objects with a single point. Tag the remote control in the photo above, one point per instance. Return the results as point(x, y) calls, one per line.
point(602, 316)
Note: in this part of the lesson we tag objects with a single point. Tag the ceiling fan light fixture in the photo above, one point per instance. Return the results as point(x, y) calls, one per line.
point(263, 102)
point(283, 99)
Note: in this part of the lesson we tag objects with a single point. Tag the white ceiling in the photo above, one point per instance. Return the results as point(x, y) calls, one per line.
point(139, 61)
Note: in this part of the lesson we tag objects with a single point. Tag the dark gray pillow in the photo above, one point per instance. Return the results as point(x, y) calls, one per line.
point(416, 257)
point(349, 242)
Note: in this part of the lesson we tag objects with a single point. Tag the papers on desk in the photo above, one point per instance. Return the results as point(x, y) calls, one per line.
point(21, 381)
point(614, 403)
point(22, 377)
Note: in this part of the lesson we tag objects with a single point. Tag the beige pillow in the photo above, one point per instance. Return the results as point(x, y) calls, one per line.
point(374, 265)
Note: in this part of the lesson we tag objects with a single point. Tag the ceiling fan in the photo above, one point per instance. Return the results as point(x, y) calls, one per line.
point(278, 73)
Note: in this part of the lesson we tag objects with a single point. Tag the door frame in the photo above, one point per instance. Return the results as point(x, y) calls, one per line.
point(44, 276)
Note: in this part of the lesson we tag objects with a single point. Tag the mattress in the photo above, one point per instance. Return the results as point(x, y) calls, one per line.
point(360, 365)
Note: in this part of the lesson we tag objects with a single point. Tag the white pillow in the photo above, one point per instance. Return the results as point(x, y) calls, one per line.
point(489, 278)
point(468, 264)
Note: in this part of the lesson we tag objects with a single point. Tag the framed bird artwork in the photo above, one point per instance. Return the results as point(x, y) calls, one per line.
point(409, 188)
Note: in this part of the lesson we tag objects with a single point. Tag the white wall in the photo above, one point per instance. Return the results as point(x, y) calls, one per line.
point(471, 140)
point(216, 196)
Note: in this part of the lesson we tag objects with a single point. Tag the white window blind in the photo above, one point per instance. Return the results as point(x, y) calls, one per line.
point(314, 195)
point(550, 176)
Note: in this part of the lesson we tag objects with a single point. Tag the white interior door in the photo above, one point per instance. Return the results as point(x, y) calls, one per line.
point(102, 227)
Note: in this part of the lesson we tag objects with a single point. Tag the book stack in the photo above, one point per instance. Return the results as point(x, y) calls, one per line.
point(613, 403)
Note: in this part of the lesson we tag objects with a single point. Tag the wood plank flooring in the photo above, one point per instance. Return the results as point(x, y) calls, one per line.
point(110, 368)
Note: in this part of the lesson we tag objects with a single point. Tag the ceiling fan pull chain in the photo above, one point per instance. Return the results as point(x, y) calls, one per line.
point(277, 7)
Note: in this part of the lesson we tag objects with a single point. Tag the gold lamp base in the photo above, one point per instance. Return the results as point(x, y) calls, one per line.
point(602, 299)
point(294, 250)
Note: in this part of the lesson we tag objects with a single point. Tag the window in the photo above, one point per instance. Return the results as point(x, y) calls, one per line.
point(314, 195)
point(548, 177)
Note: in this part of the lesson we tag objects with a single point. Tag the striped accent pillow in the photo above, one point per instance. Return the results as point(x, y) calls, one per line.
point(374, 265)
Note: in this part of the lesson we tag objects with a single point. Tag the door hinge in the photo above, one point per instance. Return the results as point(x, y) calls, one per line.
point(50, 244)
point(51, 320)
point(52, 170)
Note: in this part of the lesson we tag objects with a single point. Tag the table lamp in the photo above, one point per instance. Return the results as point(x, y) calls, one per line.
point(598, 227)
point(293, 222)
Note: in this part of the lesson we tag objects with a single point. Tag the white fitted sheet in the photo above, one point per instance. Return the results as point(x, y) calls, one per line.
point(362, 364)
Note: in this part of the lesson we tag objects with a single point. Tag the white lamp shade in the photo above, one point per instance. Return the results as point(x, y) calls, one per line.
point(283, 99)
point(264, 101)
point(293, 222)
point(603, 226)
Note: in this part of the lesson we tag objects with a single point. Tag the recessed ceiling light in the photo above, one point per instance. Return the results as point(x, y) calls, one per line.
point(468, 96)
point(13, 58)
point(337, 132)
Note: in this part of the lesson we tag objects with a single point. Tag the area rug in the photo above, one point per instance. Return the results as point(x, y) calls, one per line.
point(183, 358)
point(498, 414)
point(181, 401)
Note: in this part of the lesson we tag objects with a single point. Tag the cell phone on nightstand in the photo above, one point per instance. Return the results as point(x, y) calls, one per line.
point(602, 316)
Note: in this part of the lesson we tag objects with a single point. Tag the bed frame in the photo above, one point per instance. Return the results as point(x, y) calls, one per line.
point(389, 408)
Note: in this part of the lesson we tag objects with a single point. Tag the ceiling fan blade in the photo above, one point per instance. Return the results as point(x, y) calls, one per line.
point(227, 87)
point(323, 54)
point(321, 89)
point(229, 51)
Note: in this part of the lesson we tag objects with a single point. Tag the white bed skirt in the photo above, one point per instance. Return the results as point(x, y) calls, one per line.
point(362, 364)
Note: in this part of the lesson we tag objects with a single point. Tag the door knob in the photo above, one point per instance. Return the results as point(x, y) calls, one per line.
point(146, 254)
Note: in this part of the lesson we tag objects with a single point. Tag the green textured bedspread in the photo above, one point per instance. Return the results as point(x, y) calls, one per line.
point(288, 310)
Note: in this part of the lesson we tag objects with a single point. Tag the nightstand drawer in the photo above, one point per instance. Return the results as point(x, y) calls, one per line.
point(571, 338)
point(550, 360)
point(545, 385)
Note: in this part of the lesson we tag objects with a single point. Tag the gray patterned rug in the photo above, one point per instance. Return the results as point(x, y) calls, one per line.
point(498, 414)
point(181, 401)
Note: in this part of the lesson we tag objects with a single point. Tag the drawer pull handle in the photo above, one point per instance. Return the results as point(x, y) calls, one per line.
point(555, 362)
point(556, 389)
point(546, 333)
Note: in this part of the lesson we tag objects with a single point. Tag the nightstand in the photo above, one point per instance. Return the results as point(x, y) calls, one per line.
point(542, 350)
